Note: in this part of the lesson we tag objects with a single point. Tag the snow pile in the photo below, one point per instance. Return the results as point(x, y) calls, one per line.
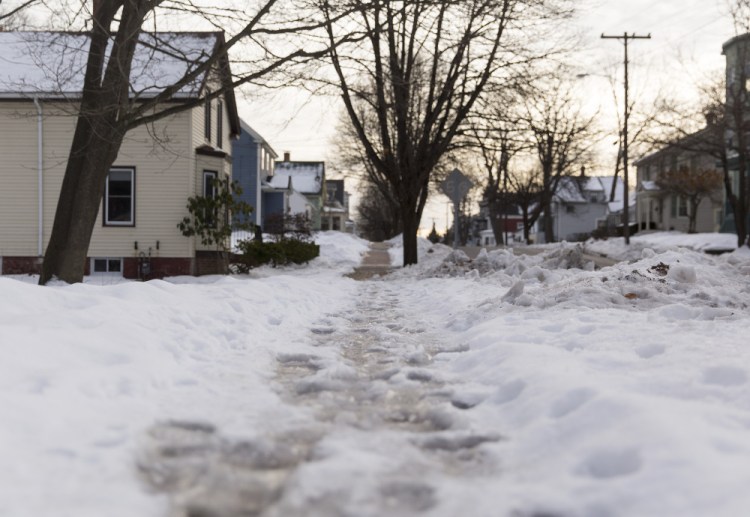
point(339, 250)
point(510, 385)
point(396, 250)
point(660, 242)
point(442, 261)
point(87, 369)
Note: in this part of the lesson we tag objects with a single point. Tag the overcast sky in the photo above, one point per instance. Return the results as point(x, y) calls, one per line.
point(687, 36)
point(686, 43)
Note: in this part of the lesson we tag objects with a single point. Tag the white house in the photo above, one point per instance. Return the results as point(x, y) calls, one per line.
point(581, 203)
point(158, 167)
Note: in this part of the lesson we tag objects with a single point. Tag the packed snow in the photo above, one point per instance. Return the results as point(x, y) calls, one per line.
point(508, 385)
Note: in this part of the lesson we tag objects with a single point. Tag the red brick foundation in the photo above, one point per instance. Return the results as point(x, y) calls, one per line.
point(22, 265)
point(160, 267)
point(211, 263)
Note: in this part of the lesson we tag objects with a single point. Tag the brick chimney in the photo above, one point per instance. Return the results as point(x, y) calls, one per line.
point(287, 156)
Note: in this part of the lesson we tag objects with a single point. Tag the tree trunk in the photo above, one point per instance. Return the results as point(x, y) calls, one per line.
point(549, 226)
point(693, 219)
point(526, 225)
point(93, 151)
point(411, 225)
point(496, 220)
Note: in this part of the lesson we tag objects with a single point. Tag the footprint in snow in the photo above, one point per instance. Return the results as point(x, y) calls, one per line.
point(570, 402)
point(649, 351)
point(508, 392)
point(725, 376)
point(612, 463)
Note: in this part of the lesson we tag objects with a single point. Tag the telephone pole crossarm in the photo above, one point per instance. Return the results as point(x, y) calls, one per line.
point(626, 195)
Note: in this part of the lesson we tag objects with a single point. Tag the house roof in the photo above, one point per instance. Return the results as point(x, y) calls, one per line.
point(257, 137)
point(686, 144)
point(52, 65)
point(649, 186)
point(734, 40)
point(569, 191)
point(307, 177)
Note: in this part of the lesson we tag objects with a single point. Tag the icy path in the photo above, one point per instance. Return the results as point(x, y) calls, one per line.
point(381, 432)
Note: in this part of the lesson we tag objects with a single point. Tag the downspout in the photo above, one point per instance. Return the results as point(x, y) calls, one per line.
point(40, 176)
point(258, 185)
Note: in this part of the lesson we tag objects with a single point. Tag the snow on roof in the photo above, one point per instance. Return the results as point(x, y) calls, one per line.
point(649, 185)
point(569, 191)
point(54, 63)
point(593, 185)
point(280, 181)
point(307, 177)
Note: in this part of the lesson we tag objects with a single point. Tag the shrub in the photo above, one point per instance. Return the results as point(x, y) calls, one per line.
point(254, 253)
point(299, 252)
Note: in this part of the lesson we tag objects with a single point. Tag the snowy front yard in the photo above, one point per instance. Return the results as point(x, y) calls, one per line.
point(508, 386)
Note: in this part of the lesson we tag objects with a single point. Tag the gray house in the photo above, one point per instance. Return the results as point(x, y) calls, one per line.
point(657, 209)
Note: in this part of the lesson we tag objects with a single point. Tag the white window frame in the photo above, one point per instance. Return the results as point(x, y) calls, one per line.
point(131, 222)
point(213, 175)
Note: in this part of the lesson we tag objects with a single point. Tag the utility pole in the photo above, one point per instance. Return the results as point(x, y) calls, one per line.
point(626, 207)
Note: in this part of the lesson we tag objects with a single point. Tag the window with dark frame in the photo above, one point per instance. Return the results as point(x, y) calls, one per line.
point(207, 116)
point(119, 197)
point(106, 265)
point(219, 124)
point(209, 191)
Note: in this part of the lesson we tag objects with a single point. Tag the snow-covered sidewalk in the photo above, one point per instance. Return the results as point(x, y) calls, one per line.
point(505, 386)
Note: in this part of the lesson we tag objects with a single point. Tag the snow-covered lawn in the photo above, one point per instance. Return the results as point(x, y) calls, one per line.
point(506, 386)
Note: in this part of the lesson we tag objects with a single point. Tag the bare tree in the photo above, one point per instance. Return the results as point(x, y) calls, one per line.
point(420, 68)
point(498, 136)
point(378, 213)
point(378, 208)
point(693, 185)
point(110, 106)
point(13, 16)
point(562, 136)
point(525, 192)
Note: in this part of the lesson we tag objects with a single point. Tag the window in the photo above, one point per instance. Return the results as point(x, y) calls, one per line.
point(679, 206)
point(207, 116)
point(219, 124)
point(102, 266)
point(337, 224)
point(119, 197)
point(682, 207)
point(209, 183)
point(570, 209)
point(209, 191)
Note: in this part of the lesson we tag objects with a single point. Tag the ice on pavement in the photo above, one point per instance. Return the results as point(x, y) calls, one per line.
point(507, 385)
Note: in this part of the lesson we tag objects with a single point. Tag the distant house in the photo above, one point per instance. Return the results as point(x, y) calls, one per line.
point(336, 207)
point(511, 222)
point(308, 179)
point(252, 165)
point(657, 209)
point(158, 167)
point(280, 197)
point(581, 204)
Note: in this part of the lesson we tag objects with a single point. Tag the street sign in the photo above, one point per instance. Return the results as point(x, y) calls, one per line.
point(456, 186)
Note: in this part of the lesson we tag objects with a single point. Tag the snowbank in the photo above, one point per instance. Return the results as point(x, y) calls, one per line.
point(661, 242)
point(623, 391)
